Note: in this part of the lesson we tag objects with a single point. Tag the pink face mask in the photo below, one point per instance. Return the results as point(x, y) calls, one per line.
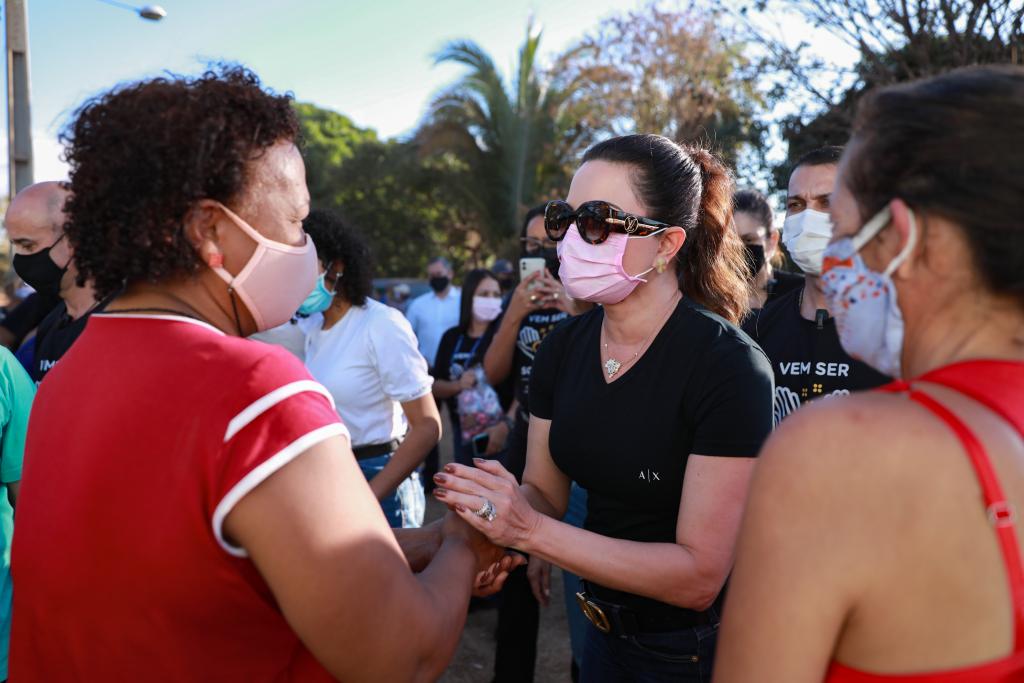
point(276, 280)
point(593, 272)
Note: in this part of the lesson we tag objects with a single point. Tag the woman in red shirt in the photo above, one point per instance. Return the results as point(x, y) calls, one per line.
point(880, 538)
point(191, 508)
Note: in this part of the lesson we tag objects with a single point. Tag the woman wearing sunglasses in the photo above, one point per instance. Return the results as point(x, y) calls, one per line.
point(654, 402)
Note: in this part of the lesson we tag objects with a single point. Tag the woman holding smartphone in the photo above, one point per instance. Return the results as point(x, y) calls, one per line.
point(462, 348)
point(655, 402)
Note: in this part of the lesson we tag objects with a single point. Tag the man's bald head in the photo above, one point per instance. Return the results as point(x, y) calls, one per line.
point(35, 218)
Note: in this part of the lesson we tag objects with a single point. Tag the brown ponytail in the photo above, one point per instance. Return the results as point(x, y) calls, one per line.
point(711, 266)
point(689, 187)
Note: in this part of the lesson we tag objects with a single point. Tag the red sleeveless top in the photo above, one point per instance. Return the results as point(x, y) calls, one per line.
point(999, 386)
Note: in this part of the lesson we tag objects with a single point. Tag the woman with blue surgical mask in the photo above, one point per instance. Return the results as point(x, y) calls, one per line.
point(365, 354)
point(881, 527)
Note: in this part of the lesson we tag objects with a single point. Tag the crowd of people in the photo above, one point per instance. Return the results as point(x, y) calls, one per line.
point(219, 444)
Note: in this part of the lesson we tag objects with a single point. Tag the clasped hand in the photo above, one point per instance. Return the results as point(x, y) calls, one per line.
point(493, 562)
point(466, 490)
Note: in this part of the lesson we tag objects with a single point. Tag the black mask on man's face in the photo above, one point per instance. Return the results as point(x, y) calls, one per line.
point(39, 271)
point(755, 258)
point(440, 283)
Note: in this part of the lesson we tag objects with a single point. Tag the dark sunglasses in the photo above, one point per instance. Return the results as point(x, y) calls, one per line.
point(595, 220)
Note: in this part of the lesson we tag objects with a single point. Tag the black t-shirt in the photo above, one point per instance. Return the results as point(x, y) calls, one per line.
point(456, 353)
point(782, 283)
point(809, 362)
point(28, 315)
point(56, 335)
point(534, 328)
point(701, 387)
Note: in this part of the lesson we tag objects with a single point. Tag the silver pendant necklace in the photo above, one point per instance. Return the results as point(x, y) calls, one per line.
point(613, 365)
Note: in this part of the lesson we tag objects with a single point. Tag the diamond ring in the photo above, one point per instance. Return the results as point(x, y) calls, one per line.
point(487, 511)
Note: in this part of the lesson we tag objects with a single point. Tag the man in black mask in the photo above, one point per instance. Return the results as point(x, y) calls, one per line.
point(434, 313)
point(44, 259)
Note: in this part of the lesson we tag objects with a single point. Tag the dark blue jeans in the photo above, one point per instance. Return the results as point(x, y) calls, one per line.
point(676, 656)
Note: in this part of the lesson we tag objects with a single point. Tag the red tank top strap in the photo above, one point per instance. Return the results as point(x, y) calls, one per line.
point(1001, 513)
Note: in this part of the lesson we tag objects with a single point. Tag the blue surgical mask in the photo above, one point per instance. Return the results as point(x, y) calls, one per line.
point(319, 299)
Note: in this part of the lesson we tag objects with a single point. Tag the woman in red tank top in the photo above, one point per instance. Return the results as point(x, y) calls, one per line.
point(880, 541)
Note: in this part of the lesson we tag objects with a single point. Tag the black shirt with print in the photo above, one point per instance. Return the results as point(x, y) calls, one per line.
point(56, 334)
point(807, 358)
point(702, 387)
point(456, 353)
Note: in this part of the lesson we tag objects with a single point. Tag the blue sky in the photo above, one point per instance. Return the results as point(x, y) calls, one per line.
point(368, 60)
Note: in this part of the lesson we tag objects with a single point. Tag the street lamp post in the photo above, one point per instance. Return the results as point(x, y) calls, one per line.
point(19, 120)
point(19, 128)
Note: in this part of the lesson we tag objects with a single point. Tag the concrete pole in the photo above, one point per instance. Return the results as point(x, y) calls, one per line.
point(19, 124)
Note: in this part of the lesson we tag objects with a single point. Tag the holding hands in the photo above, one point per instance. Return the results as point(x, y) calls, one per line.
point(488, 498)
point(493, 563)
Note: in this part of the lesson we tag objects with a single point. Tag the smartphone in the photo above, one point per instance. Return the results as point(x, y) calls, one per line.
point(480, 442)
point(529, 266)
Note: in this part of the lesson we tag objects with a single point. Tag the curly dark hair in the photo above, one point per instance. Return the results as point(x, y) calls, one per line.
point(338, 243)
point(144, 153)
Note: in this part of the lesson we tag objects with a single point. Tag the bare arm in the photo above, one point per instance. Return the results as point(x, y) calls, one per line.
point(419, 545)
point(688, 573)
point(318, 537)
point(444, 388)
point(792, 588)
point(544, 485)
point(424, 433)
point(501, 352)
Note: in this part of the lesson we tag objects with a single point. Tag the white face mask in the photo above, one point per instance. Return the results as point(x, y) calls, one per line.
point(806, 234)
point(863, 302)
point(486, 308)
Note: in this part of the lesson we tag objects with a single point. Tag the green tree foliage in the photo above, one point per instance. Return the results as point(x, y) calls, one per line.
point(510, 136)
point(329, 138)
point(407, 205)
point(677, 72)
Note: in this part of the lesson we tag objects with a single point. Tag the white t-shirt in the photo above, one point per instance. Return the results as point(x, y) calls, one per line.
point(370, 364)
point(289, 336)
point(431, 316)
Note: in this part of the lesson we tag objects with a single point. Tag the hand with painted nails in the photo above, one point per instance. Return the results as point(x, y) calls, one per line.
point(488, 498)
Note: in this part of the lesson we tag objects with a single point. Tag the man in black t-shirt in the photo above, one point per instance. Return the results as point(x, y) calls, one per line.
point(795, 330)
point(45, 261)
point(806, 356)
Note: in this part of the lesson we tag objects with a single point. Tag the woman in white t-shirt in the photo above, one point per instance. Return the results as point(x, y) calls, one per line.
point(365, 353)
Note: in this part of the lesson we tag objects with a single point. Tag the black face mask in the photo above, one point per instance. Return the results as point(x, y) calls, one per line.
point(550, 257)
point(755, 258)
point(39, 271)
point(439, 284)
point(551, 260)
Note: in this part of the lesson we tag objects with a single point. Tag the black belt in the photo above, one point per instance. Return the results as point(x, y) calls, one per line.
point(619, 620)
point(374, 450)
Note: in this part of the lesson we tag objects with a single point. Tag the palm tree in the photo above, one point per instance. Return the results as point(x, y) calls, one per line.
point(508, 138)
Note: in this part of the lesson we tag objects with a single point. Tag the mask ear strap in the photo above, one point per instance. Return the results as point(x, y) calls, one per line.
point(872, 228)
point(909, 247)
